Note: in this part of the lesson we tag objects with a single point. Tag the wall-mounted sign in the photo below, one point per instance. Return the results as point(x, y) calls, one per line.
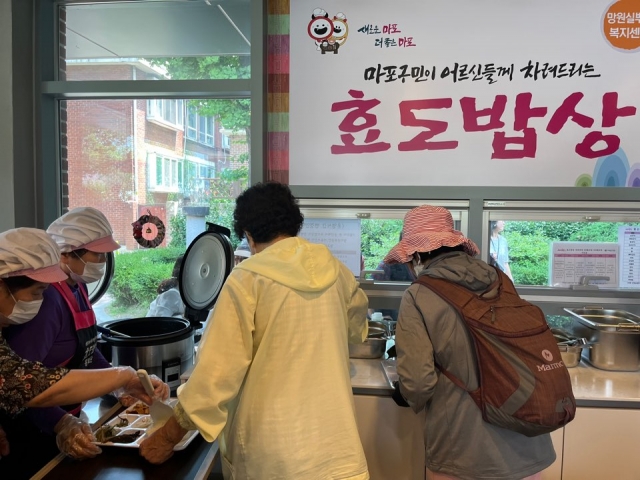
point(341, 236)
point(467, 93)
point(571, 261)
point(629, 241)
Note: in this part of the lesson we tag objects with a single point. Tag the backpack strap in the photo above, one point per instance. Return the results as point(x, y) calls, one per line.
point(458, 296)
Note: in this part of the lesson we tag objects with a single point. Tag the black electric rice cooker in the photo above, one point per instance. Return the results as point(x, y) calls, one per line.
point(164, 346)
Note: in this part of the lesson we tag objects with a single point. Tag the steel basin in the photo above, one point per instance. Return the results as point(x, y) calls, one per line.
point(614, 335)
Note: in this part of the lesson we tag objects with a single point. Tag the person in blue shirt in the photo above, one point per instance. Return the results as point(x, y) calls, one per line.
point(499, 249)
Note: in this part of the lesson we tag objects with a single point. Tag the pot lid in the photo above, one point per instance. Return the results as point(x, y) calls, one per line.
point(205, 267)
point(97, 289)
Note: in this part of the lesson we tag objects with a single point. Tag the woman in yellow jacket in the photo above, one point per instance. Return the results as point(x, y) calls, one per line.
point(272, 376)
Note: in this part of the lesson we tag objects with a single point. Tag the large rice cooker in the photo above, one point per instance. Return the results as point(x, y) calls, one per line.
point(164, 346)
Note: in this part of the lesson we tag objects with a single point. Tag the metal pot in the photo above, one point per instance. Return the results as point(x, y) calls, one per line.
point(370, 348)
point(614, 336)
point(570, 354)
point(163, 346)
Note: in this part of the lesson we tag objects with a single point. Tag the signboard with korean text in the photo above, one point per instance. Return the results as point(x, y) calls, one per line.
point(464, 93)
point(570, 261)
point(342, 237)
point(629, 241)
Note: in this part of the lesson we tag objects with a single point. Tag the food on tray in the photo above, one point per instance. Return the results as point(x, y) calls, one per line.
point(139, 409)
point(106, 432)
point(126, 437)
point(143, 422)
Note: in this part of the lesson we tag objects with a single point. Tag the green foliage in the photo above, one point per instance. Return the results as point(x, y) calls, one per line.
point(529, 258)
point(234, 114)
point(378, 237)
point(530, 244)
point(137, 274)
point(178, 225)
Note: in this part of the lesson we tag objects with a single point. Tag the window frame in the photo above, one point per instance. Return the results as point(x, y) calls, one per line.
point(47, 188)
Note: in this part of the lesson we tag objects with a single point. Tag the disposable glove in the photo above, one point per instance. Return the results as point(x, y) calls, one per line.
point(134, 388)
point(74, 438)
point(126, 400)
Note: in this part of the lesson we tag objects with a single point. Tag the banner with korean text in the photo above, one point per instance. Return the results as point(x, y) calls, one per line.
point(465, 93)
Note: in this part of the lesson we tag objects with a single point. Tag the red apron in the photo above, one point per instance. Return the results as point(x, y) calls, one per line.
point(86, 331)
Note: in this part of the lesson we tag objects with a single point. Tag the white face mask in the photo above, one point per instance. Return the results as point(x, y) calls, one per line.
point(23, 311)
point(92, 272)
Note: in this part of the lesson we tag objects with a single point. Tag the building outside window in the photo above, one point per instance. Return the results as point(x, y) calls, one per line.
point(170, 112)
point(129, 155)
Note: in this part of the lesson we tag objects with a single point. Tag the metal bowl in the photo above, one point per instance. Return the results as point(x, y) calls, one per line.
point(370, 348)
point(570, 354)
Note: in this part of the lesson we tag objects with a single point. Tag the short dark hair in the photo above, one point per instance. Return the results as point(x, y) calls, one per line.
point(493, 225)
point(175, 273)
point(20, 282)
point(267, 211)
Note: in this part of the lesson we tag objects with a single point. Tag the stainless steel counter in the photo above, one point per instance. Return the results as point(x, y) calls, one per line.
point(592, 387)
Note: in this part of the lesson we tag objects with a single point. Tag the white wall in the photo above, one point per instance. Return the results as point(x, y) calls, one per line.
point(7, 217)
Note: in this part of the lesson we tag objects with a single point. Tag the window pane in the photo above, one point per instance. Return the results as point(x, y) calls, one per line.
point(155, 40)
point(158, 171)
point(125, 164)
point(561, 254)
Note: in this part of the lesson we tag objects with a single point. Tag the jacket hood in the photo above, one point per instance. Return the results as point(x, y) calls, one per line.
point(461, 269)
point(295, 263)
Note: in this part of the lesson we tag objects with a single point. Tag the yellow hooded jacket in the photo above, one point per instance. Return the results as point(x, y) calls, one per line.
point(272, 381)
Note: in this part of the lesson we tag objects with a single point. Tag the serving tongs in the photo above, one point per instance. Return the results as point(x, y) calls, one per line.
point(160, 412)
point(576, 342)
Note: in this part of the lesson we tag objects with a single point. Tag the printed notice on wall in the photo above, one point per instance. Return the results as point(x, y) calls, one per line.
point(570, 261)
point(629, 241)
point(342, 237)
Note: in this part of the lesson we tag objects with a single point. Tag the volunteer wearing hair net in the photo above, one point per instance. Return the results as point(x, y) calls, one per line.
point(64, 332)
point(28, 263)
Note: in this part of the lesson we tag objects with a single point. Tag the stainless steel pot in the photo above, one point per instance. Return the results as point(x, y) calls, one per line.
point(163, 346)
point(570, 355)
point(614, 336)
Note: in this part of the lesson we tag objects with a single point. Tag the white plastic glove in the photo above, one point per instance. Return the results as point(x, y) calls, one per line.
point(74, 438)
point(127, 400)
point(134, 388)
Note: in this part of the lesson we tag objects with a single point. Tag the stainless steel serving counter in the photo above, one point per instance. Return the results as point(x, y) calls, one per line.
point(592, 387)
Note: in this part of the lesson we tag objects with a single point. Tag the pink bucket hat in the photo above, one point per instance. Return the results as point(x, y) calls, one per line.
point(30, 252)
point(83, 227)
point(427, 228)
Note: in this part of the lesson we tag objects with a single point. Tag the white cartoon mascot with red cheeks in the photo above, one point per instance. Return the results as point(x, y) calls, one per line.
point(320, 27)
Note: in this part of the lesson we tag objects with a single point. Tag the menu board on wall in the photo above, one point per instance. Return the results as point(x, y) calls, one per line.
point(342, 237)
point(629, 241)
point(466, 93)
point(570, 261)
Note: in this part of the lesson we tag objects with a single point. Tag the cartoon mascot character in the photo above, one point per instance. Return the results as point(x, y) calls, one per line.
point(320, 27)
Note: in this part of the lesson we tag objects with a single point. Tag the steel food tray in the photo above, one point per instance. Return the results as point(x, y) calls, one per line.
point(609, 320)
point(137, 422)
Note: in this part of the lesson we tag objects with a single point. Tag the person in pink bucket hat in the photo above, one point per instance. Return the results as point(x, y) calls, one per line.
point(64, 332)
point(459, 443)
